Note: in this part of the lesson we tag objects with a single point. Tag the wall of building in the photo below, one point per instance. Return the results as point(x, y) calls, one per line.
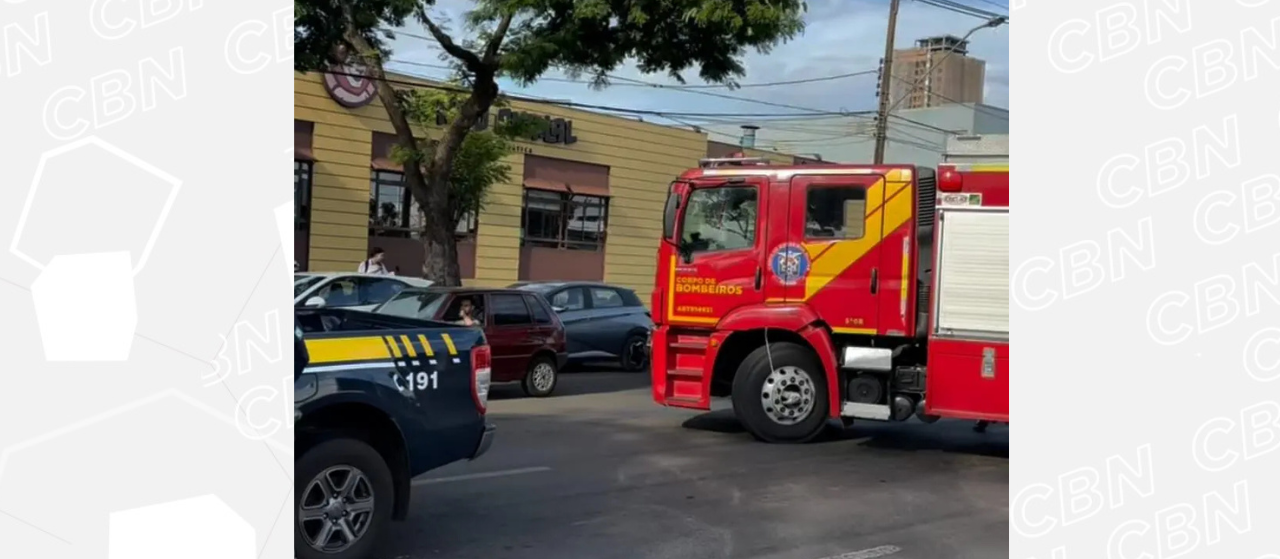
point(642, 159)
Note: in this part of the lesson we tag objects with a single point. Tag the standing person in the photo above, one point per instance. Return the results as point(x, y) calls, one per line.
point(374, 264)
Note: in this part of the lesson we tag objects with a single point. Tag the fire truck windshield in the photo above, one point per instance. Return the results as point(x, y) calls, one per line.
point(719, 218)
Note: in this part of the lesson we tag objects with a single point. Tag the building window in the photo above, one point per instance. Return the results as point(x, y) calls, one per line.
point(301, 195)
point(393, 212)
point(388, 205)
point(562, 220)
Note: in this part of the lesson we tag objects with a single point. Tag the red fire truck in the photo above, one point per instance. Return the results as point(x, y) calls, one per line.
point(834, 291)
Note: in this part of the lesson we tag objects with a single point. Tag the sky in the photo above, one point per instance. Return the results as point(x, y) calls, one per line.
point(841, 36)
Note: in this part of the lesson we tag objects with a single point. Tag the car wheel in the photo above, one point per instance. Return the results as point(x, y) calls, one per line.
point(541, 378)
point(343, 497)
point(635, 357)
point(785, 402)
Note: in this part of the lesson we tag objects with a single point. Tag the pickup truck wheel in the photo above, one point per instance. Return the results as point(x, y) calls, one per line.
point(342, 500)
point(785, 403)
point(541, 378)
point(635, 356)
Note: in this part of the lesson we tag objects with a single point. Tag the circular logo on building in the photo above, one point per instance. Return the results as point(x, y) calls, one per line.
point(789, 263)
point(348, 87)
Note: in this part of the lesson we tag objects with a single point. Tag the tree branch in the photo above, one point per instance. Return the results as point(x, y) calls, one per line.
point(499, 34)
point(468, 58)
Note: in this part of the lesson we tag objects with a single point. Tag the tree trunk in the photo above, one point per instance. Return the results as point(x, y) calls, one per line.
point(439, 243)
point(430, 188)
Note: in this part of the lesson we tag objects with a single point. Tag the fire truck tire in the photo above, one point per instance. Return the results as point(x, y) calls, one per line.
point(797, 368)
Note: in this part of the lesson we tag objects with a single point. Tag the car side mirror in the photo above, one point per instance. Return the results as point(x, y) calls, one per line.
point(315, 302)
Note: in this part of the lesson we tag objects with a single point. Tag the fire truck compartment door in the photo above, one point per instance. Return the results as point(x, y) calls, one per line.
point(827, 255)
point(972, 274)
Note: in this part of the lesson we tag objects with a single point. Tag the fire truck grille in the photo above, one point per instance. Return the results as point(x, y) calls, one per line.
point(926, 198)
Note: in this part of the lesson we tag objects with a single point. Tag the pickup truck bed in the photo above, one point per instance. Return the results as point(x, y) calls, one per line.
point(378, 400)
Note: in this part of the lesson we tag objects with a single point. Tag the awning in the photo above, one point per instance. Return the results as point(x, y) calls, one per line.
point(302, 141)
point(385, 164)
point(575, 189)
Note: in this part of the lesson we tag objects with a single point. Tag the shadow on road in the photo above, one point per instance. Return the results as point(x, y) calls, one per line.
point(577, 384)
point(943, 436)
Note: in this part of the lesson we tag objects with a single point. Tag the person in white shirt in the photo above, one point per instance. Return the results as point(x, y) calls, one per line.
point(374, 264)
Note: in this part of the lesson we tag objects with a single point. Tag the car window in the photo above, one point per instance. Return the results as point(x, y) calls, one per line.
point(541, 315)
point(570, 299)
point(508, 309)
point(340, 293)
point(604, 298)
point(303, 283)
point(376, 290)
point(835, 212)
point(454, 311)
point(413, 305)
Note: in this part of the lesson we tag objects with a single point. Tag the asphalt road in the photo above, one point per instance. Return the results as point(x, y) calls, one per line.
point(599, 471)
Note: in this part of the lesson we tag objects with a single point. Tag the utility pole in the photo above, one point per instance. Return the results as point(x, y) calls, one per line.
point(886, 72)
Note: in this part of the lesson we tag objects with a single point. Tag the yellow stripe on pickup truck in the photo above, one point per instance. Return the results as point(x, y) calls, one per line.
point(336, 350)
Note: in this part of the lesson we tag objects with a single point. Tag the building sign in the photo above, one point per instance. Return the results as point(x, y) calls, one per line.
point(348, 88)
point(558, 130)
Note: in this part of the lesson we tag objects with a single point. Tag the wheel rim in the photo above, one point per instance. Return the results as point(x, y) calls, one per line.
point(336, 509)
point(635, 354)
point(543, 375)
point(788, 395)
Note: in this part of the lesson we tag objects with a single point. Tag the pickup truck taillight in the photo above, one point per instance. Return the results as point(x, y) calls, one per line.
point(480, 376)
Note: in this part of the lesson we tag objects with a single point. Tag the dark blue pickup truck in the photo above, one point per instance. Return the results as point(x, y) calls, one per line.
point(379, 400)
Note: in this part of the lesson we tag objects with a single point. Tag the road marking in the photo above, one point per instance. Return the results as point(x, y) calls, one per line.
point(868, 553)
point(482, 475)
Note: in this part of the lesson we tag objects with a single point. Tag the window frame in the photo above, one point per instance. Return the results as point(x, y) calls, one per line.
point(586, 303)
point(411, 221)
point(492, 310)
point(810, 189)
point(531, 301)
point(622, 302)
point(569, 204)
point(302, 201)
point(689, 203)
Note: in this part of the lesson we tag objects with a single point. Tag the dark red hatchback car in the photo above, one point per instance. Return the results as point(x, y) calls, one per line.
point(526, 337)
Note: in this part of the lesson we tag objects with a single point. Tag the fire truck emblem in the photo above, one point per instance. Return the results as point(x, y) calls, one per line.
point(789, 263)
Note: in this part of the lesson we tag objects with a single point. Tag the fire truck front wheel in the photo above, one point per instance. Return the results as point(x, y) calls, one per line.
point(780, 394)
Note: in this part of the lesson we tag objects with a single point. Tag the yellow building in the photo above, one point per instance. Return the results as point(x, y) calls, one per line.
point(584, 201)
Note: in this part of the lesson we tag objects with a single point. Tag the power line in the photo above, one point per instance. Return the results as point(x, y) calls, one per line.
point(721, 95)
point(976, 106)
point(573, 104)
point(962, 9)
point(1004, 7)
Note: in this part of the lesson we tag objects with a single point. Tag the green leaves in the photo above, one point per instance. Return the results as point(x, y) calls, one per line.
point(478, 163)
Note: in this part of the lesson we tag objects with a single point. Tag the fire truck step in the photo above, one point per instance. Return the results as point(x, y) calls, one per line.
point(684, 373)
point(699, 346)
point(865, 411)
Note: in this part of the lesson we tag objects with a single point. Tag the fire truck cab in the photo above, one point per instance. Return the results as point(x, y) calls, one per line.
point(806, 293)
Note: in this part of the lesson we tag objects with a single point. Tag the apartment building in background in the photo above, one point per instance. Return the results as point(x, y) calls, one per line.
point(954, 78)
